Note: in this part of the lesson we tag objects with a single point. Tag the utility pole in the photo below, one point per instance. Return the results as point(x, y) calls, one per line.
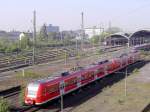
point(94, 33)
point(61, 38)
point(76, 46)
point(82, 30)
point(126, 74)
point(62, 103)
point(109, 25)
point(61, 97)
point(34, 36)
point(100, 38)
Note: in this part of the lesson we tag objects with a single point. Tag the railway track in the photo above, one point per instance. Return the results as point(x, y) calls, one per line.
point(28, 109)
point(10, 92)
point(14, 63)
point(4, 75)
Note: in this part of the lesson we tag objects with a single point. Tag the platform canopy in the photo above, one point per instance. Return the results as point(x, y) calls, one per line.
point(139, 37)
point(117, 39)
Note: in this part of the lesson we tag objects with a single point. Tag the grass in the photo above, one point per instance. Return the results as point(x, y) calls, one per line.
point(145, 54)
point(28, 74)
point(135, 71)
point(4, 106)
point(137, 97)
point(21, 97)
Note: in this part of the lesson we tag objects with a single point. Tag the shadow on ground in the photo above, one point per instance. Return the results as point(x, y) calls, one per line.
point(147, 108)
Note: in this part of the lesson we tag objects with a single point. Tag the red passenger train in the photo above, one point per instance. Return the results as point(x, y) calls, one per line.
point(44, 90)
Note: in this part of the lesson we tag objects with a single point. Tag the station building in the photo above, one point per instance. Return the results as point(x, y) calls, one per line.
point(117, 39)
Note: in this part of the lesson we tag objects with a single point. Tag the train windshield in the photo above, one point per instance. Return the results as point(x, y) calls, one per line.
point(32, 90)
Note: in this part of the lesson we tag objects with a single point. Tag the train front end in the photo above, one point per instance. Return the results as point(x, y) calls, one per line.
point(31, 93)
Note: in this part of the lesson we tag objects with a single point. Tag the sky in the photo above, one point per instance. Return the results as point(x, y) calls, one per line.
point(130, 15)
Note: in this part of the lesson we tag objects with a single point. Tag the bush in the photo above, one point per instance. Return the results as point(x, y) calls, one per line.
point(121, 101)
point(135, 71)
point(4, 107)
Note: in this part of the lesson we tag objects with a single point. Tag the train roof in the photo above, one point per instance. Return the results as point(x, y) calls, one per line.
point(66, 74)
point(97, 64)
point(48, 79)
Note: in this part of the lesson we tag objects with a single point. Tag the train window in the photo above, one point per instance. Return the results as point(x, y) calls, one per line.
point(97, 71)
point(87, 75)
point(109, 67)
point(31, 93)
point(92, 74)
point(68, 83)
point(71, 81)
point(79, 79)
point(32, 89)
point(83, 77)
point(52, 88)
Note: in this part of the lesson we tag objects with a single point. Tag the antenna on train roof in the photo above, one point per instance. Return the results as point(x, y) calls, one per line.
point(103, 61)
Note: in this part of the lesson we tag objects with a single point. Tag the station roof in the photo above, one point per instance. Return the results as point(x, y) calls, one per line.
point(118, 35)
point(140, 33)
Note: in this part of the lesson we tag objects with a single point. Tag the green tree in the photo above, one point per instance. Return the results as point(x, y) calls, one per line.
point(95, 39)
point(8, 45)
point(43, 33)
point(25, 42)
point(103, 35)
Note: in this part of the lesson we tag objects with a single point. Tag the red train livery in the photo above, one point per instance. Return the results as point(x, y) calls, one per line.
point(44, 90)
